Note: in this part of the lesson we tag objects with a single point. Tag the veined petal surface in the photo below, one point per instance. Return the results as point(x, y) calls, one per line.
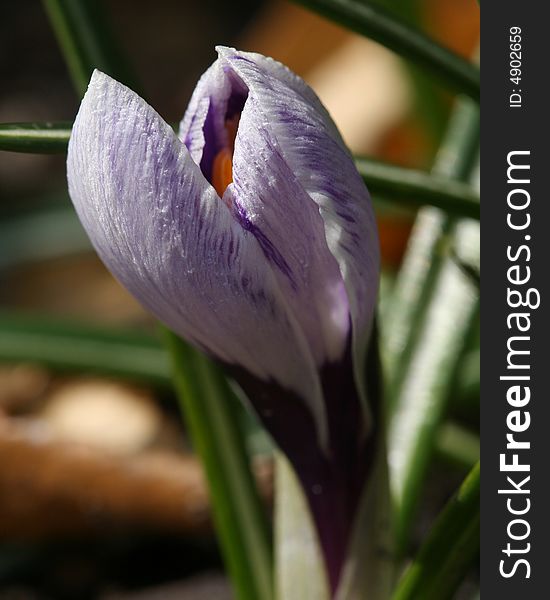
point(162, 230)
point(309, 142)
point(276, 276)
point(296, 187)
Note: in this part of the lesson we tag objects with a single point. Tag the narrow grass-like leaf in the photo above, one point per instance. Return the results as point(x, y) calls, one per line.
point(72, 347)
point(209, 408)
point(457, 446)
point(466, 398)
point(86, 41)
point(418, 188)
point(449, 550)
point(412, 289)
point(428, 101)
point(373, 21)
point(433, 307)
point(37, 138)
point(427, 384)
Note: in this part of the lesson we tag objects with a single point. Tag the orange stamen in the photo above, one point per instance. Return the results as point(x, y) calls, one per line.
point(222, 171)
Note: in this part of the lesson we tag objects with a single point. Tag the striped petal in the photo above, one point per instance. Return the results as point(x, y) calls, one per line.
point(275, 274)
point(296, 186)
point(310, 144)
point(162, 230)
point(296, 189)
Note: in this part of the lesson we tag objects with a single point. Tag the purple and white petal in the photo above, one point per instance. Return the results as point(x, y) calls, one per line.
point(162, 230)
point(297, 189)
point(219, 95)
point(283, 112)
point(269, 201)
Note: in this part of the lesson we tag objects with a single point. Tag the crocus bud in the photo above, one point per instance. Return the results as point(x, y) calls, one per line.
point(251, 235)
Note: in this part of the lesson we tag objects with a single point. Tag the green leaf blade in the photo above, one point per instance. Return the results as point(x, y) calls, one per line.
point(85, 39)
point(416, 188)
point(432, 308)
point(372, 21)
point(37, 138)
point(449, 549)
point(208, 406)
point(71, 347)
